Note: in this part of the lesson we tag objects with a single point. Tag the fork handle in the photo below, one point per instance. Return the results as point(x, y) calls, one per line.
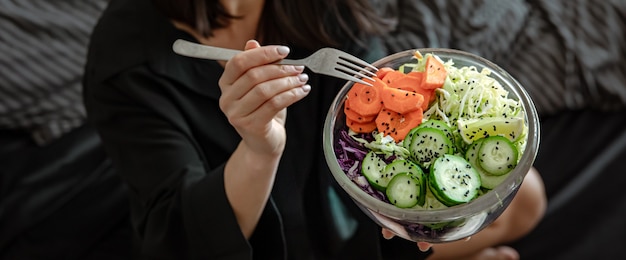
point(195, 50)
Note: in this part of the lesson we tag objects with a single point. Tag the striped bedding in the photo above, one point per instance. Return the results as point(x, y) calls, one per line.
point(42, 54)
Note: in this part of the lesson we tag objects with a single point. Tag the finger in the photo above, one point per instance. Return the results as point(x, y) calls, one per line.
point(285, 99)
point(424, 246)
point(251, 58)
point(268, 107)
point(387, 234)
point(269, 90)
point(260, 119)
point(257, 76)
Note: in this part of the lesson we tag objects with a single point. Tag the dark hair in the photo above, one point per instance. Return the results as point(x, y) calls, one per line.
point(322, 22)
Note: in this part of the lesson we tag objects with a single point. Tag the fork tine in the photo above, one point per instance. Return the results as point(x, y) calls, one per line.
point(357, 69)
point(359, 81)
point(354, 73)
point(346, 75)
point(351, 65)
point(356, 61)
point(354, 66)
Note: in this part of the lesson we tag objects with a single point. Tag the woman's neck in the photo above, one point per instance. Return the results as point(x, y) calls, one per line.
point(243, 7)
point(239, 31)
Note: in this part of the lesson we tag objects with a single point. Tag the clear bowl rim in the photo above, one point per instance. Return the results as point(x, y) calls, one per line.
point(485, 202)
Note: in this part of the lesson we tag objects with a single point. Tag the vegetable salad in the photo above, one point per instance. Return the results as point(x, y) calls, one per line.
point(430, 134)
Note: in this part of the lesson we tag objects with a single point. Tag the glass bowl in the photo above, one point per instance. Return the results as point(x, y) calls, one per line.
point(451, 223)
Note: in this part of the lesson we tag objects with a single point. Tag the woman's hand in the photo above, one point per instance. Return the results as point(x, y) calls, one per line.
point(256, 93)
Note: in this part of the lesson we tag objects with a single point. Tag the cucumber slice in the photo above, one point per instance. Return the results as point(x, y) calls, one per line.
point(491, 181)
point(432, 202)
point(487, 180)
point(427, 144)
point(400, 166)
point(432, 123)
point(497, 155)
point(474, 129)
point(406, 143)
point(453, 180)
point(439, 124)
point(404, 190)
point(372, 168)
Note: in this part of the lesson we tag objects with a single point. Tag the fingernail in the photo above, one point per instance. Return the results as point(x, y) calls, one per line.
point(423, 246)
point(306, 88)
point(303, 77)
point(299, 68)
point(282, 50)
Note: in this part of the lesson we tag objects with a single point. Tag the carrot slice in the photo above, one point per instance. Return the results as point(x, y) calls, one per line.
point(383, 71)
point(363, 128)
point(354, 116)
point(429, 96)
point(435, 74)
point(398, 125)
point(411, 82)
point(365, 100)
point(392, 76)
point(419, 75)
point(401, 101)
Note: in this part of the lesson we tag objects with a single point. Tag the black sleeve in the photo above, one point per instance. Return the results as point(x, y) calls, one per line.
point(178, 202)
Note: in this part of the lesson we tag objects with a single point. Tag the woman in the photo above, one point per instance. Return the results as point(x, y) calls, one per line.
point(215, 168)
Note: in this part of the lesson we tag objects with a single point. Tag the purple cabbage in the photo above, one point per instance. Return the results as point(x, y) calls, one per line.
point(349, 155)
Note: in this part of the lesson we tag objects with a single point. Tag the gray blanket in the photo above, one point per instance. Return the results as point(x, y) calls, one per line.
point(568, 54)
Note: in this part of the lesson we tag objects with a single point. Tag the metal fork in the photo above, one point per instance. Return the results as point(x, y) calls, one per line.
point(327, 61)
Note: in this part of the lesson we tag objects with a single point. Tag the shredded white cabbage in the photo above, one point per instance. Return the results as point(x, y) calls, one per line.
point(383, 144)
